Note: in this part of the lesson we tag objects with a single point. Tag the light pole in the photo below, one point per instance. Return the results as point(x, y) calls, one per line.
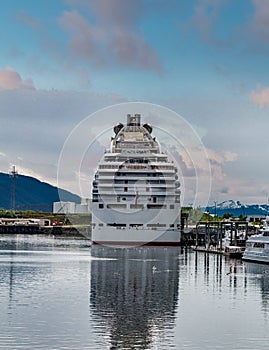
point(13, 174)
point(215, 203)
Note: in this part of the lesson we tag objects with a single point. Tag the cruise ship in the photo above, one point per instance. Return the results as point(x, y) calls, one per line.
point(136, 192)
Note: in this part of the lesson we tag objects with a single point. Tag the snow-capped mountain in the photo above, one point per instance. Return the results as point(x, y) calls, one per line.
point(236, 208)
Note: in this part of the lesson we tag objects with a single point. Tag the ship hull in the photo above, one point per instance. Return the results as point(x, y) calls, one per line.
point(134, 236)
point(259, 258)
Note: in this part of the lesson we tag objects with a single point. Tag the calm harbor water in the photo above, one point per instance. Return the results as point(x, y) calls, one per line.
point(63, 294)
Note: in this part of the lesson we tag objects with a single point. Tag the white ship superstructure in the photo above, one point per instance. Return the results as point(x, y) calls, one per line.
point(136, 195)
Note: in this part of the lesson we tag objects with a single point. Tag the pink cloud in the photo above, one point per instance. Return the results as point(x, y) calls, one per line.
point(206, 14)
point(24, 17)
point(130, 49)
point(113, 38)
point(259, 25)
point(85, 40)
point(261, 97)
point(122, 12)
point(10, 80)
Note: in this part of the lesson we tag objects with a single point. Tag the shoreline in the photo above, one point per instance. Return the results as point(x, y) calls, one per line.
point(61, 231)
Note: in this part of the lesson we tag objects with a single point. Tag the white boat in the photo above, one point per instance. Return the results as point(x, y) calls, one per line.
point(136, 195)
point(257, 246)
point(234, 244)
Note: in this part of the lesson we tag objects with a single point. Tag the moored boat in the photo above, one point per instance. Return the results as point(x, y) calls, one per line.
point(234, 244)
point(257, 246)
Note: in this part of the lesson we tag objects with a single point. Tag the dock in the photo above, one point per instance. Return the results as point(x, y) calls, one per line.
point(220, 237)
point(208, 250)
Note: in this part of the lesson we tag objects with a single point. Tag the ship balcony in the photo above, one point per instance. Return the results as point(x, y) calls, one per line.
point(136, 176)
point(95, 198)
point(135, 168)
point(134, 193)
point(139, 184)
point(139, 189)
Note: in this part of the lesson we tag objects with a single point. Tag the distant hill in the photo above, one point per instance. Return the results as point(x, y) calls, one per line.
point(236, 208)
point(32, 194)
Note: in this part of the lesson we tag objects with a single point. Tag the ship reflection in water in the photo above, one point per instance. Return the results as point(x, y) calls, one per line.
point(134, 296)
point(61, 294)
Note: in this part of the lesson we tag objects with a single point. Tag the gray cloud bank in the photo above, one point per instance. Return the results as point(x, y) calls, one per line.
point(35, 125)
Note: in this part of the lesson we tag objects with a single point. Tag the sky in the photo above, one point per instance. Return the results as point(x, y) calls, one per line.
point(204, 62)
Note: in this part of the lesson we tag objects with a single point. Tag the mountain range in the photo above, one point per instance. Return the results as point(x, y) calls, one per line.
point(31, 194)
point(236, 208)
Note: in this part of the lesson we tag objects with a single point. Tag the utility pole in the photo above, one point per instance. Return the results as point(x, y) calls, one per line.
point(13, 174)
point(215, 203)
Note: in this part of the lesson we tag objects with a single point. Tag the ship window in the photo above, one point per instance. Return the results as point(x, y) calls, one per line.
point(258, 245)
point(117, 225)
point(111, 206)
point(101, 206)
point(172, 206)
point(154, 199)
point(125, 189)
point(101, 224)
point(136, 206)
point(156, 206)
point(171, 225)
point(156, 225)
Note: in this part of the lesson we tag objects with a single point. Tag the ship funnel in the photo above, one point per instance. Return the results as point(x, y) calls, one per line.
point(133, 120)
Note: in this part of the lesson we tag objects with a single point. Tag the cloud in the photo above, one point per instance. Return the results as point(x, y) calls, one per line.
point(259, 25)
point(34, 129)
point(122, 12)
point(10, 80)
point(206, 14)
point(24, 17)
point(113, 38)
point(261, 97)
point(218, 160)
point(254, 34)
